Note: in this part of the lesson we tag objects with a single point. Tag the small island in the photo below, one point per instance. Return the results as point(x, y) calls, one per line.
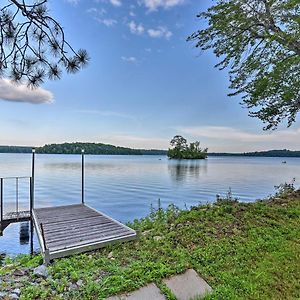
point(181, 150)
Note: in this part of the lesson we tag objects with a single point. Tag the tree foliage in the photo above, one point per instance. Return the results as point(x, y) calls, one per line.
point(259, 41)
point(94, 148)
point(181, 150)
point(33, 45)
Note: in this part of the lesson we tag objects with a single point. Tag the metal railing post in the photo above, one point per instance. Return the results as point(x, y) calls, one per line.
point(82, 176)
point(1, 199)
point(32, 179)
point(17, 195)
point(30, 197)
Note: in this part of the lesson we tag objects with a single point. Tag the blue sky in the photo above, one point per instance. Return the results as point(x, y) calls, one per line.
point(143, 85)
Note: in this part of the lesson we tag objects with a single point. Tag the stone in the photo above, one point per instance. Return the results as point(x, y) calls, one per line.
point(19, 272)
point(79, 282)
point(110, 255)
point(2, 295)
point(148, 292)
point(17, 292)
point(73, 287)
point(157, 238)
point(13, 296)
point(41, 271)
point(188, 285)
point(146, 232)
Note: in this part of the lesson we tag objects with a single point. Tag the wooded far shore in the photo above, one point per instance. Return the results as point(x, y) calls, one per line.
point(106, 149)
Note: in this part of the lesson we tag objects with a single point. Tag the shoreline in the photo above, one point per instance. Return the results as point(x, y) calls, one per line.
point(221, 241)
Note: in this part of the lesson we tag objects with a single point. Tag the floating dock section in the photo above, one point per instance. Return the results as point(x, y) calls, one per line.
point(66, 230)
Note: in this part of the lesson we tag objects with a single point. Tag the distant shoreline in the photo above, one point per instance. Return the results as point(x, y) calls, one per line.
point(105, 149)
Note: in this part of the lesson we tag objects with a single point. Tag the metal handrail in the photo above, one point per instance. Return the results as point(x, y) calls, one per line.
point(31, 189)
point(15, 177)
point(17, 194)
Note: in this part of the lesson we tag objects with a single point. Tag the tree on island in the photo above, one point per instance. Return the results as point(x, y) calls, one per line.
point(259, 41)
point(181, 150)
point(33, 44)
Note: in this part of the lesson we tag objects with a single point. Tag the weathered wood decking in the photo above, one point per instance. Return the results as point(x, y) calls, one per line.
point(65, 230)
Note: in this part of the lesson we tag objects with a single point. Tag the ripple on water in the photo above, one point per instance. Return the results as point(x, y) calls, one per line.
point(125, 187)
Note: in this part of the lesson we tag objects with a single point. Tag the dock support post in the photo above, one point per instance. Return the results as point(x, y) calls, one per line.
point(30, 196)
point(1, 200)
point(32, 182)
point(82, 176)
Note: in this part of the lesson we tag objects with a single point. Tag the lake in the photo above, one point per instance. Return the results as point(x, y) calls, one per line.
point(125, 187)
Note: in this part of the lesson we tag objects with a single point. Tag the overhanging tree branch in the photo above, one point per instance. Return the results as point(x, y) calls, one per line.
point(33, 44)
point(260, 45)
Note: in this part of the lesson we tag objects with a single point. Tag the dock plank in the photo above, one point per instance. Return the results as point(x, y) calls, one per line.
point(86, 236)
point(80, 231)
point(87, 243)
point(68, 229)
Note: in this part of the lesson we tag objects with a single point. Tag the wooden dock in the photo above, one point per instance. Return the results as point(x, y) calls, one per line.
point(66, 230)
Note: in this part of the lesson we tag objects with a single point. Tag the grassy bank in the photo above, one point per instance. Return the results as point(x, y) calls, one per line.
point(244, 251)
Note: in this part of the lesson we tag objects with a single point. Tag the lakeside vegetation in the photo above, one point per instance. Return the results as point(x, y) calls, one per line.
point(181, 150)
point(269, 153)
point(75, 148)
point(15, 149)
point(102, 149)
point(94, 148)
point(243, 250)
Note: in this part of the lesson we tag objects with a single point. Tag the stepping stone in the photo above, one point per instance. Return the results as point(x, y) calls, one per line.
point(188, 285)
point(148, 292)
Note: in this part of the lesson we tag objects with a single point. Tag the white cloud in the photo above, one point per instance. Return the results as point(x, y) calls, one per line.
point(73, 2)
point(221, 138)
point(136, 28)
point(132, 14)
point(153, 5)
point(97, 11)
point(130, 59)
point(21, 93)
point(115, 2)
point(98, 15)
point(160, 32)
point(108, 22)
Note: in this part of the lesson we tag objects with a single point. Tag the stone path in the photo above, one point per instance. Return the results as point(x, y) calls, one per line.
point(148, 292)
point(188, 285)
point(185, 287)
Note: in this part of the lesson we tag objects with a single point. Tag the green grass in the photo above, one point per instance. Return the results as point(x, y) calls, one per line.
point(244, 251)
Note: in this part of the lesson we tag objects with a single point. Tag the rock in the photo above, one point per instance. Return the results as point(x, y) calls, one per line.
point(110, 255)
point(157, 238)
point(79, 282)
point(2, 295)
point(73, 287)
point(41, 271)
point(20, 272)
point(13, 296)
point(146, 232)
point(17, 292)
point(188, 286)
point(148, 292)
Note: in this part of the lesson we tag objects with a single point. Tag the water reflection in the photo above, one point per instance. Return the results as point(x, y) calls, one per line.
point(182, 170)
point(26, 233)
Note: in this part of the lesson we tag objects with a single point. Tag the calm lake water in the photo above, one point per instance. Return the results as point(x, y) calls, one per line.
point(124, 187)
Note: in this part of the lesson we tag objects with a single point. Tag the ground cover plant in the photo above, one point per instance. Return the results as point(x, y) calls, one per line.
point(243, 250)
